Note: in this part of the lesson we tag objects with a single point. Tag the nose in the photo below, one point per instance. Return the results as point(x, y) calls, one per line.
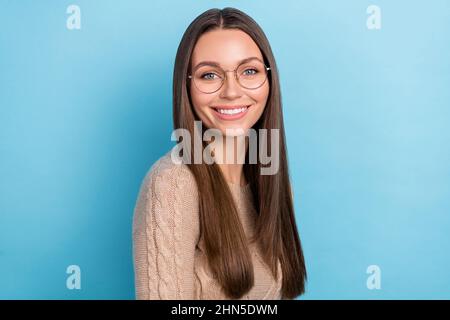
point(230, 88)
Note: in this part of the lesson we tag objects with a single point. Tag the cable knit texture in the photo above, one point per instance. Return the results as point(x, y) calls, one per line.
point(168, 249)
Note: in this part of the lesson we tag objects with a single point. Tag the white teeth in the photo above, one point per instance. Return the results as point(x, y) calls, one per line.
point(232, 111)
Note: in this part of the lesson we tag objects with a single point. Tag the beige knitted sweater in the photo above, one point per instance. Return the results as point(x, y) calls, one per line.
point(168, 249)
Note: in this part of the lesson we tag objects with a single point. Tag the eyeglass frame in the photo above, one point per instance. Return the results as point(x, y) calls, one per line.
point(266, 68)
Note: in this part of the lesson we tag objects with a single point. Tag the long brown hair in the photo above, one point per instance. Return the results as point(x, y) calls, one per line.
point(276, 232)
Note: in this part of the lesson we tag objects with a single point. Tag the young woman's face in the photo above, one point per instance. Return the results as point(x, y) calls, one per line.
point(232, 106)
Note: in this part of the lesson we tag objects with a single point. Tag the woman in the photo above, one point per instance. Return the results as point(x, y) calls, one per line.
point(220, 230)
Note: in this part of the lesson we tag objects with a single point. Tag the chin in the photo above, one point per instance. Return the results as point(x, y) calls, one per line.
point(233, 131)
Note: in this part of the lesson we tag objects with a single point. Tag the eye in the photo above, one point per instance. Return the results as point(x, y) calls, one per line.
point(209, 76)
point(250, 72)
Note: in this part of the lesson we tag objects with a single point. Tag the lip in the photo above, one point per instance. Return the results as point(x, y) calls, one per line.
point(237, 116)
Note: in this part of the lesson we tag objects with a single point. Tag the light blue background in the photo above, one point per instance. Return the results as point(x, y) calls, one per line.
point(84, 114)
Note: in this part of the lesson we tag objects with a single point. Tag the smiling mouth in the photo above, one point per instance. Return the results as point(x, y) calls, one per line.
point(231, 110)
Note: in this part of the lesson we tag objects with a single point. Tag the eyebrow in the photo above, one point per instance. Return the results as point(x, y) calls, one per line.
point(216, 64)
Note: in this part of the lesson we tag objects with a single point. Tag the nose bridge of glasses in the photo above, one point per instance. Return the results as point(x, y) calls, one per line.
point(226, 77)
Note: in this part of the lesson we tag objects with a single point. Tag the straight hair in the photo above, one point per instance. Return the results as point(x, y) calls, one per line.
point(276, 232)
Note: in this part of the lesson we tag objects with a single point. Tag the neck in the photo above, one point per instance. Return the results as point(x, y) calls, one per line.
point(232, 152)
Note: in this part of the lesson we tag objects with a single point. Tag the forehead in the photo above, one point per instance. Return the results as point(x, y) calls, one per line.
point(226, 47)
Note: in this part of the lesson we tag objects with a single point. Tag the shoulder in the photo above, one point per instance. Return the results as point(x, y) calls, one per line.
point(167, 179)
point(169, 173)
point(168, 194)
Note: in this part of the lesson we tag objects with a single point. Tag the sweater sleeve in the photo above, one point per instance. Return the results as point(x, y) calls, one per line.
point(165, 233)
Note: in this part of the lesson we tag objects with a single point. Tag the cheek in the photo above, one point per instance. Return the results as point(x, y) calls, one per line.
point(200, 101)
point(200, 105)
point(260, 97)
point(197, 101)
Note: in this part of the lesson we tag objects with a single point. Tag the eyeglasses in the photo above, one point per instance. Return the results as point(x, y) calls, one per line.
point(209, 78)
